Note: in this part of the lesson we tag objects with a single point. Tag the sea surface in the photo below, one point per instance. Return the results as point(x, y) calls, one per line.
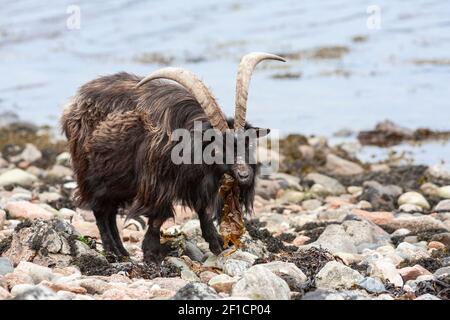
point(350, 65)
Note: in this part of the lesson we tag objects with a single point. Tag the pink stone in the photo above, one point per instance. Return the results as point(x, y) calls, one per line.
point(412, 273)
point(27, 210)
point(379, 217)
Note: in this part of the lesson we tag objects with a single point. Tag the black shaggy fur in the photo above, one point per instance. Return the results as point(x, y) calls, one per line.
point(119, 138)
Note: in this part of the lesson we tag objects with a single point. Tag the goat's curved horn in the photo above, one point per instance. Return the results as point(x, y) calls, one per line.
point(246, 67)
point(197, 88)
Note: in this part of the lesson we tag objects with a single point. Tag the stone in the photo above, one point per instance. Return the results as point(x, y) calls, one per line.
point(311, 204)
point(86, 228)
point(17, 177)
point(15, 278)
point(444, 192)
point(380, 218)
point(29, 154)
point(300, 240)
point(261, 284)
point(207, 275)
point(436, 245)
point(410, 208)
point(47, 243)
point(335, 275)
point(36, 272)
point(267, 189)
point(93, 285)
point(6, 266)
point(63, 287)
point(430, 189)
point(59, 172)
point(234, 267)
point(427, 296)
point(414, 198)
point(63, 159)
point(385, 270)
point(443, 205)
point(287, 181)
point(27, 210)
point(287, 271)
point(411, 252)
point(36, 293)
point(365, 234)
point(222, 283)
point(330, 185)
point(355, 190)
point(49, 197)
point(443, 238)
point(4, 294)
point(196, 291)
point(417, 224)
point(186, 273)
point(381, 197)
point(441, 271)
point(292, 196)
point(412, 273)
point(439, 172)
point(338, 166)
point(335, 239)
point(2, 218)
point(191, 228)
point(372, 285)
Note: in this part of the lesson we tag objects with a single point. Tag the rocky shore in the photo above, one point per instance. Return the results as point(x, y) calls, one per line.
point(326, 226)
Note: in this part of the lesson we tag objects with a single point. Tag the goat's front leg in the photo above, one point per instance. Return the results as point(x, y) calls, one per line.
point(210, 233)
point(154, 251)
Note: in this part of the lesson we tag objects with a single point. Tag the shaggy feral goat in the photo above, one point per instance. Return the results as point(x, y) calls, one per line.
point(119, 131)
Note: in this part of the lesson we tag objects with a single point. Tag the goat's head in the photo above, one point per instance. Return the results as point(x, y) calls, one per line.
point(236, 136)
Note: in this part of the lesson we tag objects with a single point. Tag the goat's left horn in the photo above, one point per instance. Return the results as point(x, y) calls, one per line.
point(197, 88)
point(246, 67)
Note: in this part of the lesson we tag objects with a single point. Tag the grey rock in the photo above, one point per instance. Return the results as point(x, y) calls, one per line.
point(335, 239)
point(331, 185)
point(335, 275)
point(311, 204)
point(442, 237)
point(417, 224)
point(442, 271)
point(381, 197)
point(261, 284)
point(287, 271)
point(6, 266)
point(17, 177)
point(427, 296)
point(29, 154)
point(37, 293)
point(372, 285)
point(365, 234)
point(196, 291)
point(443, 205)
point(36, 272)
point(193, 252)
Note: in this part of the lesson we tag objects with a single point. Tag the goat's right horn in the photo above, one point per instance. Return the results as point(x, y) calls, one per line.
point(197, 88)
point(246, 67)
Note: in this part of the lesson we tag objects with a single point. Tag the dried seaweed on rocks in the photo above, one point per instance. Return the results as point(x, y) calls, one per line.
point(232, 223)
point(439, 287)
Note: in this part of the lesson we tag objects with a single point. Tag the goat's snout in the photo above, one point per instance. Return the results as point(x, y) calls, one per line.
point(243, 174)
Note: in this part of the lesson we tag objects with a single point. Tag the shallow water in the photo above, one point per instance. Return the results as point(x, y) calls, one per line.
point(43, 62)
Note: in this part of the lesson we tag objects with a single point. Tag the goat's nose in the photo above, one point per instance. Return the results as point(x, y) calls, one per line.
point(243, 174)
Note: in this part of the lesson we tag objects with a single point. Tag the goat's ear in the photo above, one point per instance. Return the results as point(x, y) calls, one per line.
point(261, 132)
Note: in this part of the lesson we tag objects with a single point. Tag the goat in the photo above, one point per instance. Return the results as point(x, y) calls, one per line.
point(118, 129)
